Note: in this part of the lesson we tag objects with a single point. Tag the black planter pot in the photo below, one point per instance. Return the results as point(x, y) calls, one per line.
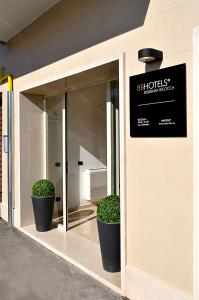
point(109, 236)
point(43, 212)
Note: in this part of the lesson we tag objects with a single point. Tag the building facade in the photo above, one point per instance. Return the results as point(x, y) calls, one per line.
point(80, 48)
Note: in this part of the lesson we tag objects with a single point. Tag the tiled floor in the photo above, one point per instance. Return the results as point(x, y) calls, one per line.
point(83, 222)
point(79, 245)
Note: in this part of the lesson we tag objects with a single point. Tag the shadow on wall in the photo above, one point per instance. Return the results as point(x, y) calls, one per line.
point(69, 27)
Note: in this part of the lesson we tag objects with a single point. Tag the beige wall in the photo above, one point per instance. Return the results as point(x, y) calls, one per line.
point(31, 151)
point(158, 171)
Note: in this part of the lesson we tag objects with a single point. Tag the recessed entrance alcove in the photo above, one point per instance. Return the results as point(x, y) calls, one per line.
point(70, 135)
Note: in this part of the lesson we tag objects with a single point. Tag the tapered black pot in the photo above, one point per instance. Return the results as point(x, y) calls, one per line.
point(109, 236)
point(43, 212)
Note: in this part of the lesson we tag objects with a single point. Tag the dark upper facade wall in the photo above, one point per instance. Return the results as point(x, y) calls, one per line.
point(70, 26)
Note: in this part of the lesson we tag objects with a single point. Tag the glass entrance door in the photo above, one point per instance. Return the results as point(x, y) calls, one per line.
point(113, 150)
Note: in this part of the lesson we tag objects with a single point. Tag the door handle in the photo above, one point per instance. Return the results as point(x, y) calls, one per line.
point(80, 163)
point(57, 164)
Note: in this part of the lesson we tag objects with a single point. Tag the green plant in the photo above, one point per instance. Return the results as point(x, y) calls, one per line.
point(43, 188)
point(108, 210)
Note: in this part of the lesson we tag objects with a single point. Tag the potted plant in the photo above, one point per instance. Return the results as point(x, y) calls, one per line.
point(108, 223)
point(43, 197)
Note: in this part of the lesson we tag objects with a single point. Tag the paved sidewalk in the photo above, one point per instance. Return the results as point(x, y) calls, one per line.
point(29, 271)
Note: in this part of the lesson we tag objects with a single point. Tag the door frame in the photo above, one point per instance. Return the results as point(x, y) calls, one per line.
point(120, 57)
point(122, 134)
point(113, 139)
point(195, 164)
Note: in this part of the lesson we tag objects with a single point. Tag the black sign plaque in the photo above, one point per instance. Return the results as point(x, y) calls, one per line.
point(158, 103)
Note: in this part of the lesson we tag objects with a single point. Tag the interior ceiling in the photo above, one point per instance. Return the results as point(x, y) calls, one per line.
point(104, 73)
point(15, 15)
